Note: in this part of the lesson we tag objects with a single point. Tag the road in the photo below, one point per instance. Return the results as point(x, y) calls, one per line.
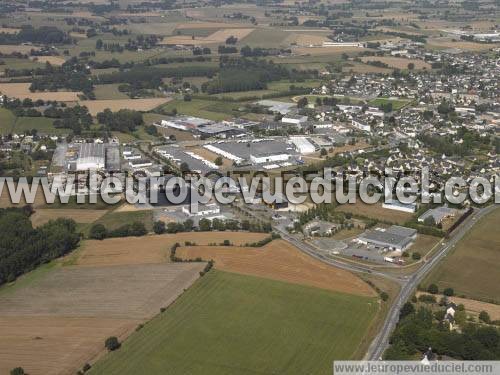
point(408, 283)
point(381, 341)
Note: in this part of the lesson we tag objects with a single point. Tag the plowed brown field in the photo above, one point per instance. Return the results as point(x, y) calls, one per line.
point(55, 345)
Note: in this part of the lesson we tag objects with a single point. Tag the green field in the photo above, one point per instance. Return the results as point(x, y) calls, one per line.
point(103, 92)
point(234, 324)
point(7, 121)
point(199, 108)
point(473, 267)
point(112, 220)
point(396, 104)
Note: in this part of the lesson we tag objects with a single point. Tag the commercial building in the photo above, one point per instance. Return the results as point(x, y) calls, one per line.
point(184, 123)
point(361, 126)
point(303, 145)
point(113, 163)
point(398, 206)
point(438, 214)
point(294, 119)
point(203, 210)
point(277, 106)
point(178, 155)
point(91, 156)
point(257, 151)
point(140, 163)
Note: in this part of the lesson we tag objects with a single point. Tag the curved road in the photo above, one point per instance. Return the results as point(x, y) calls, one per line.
point(381, 341)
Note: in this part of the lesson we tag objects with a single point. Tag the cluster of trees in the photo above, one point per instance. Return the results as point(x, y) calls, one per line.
point(74, 81)
point(76, 118)
point(140, 42)
point(100, 232)
point(43, 35)
point(248, 51)
point(22, 248)
point(198, 51)
point(159, 227)
point(151, 77)
point(206, 225)
point(227, 49)
point(443, 145)
point(420, 329)
point(257, 74)
point(72, 75)
point(124, 120)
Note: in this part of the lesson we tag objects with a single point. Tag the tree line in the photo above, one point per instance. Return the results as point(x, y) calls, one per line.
point(43, 34)
point(23, 248)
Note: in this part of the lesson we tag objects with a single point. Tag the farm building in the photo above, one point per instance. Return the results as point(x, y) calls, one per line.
point(393, 238)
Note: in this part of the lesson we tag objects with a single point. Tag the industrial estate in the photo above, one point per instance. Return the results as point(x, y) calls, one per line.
point(162, 90)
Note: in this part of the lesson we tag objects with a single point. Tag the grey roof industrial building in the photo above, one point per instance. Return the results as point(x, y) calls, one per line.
point(179, 155)
point(257, 151)
point(394, 237)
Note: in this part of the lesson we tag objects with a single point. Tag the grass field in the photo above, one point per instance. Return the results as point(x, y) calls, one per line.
point(199, 108)
point(113, 219)
point(7, 121)
point(42, 216)
point(228, 323)
point(279, 260)
point(396, 104)
point(105, 92)
point(472, 268)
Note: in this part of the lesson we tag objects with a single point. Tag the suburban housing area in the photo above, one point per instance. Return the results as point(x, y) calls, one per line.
point(113, 103)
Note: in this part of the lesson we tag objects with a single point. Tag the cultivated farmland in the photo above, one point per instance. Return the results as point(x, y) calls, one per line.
point(398, 62)
point(96, 106)
point(21, 91)
point(229, 323)
point(279, 260)
point(150, 249)
point(472, 268)
point(59, 321)
point(219, 36)
point(55, 345)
